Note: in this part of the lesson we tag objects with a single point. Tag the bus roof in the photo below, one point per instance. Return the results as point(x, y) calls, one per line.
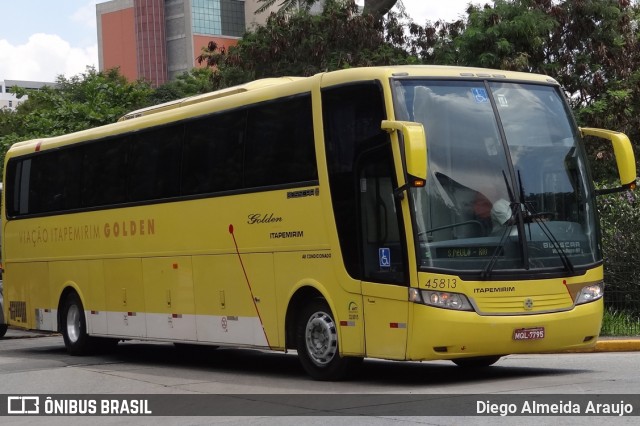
point(258, 84)
point(432, 70)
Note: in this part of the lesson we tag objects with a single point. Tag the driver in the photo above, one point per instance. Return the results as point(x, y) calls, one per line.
point(501, 213)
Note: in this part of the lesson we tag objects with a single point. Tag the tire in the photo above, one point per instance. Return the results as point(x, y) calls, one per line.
point(3, 330)
point(317, 344)
point(476, 362)
point(74, 326)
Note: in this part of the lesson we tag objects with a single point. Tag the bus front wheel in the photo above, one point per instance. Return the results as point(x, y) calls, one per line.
point(74, 326)
point(317, 344)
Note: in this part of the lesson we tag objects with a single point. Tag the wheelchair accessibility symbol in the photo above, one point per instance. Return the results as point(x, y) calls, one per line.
point(384, 257)
point(480, 95)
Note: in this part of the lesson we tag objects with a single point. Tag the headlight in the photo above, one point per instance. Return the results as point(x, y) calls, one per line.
point(440, 299)
point(590, 293)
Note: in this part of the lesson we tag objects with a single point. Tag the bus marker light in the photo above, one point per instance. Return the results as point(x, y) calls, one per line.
point(414, 295)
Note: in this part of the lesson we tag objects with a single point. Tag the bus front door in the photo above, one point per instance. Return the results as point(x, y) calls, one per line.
point(383, 257)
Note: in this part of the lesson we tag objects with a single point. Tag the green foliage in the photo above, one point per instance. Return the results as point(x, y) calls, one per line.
point(590, 46)
point(511, 36)
point(286, 6)
point(80, 102)
point(87, 100)
point(195, 82)
point(619, 323)
point(373, 7)
point(301, 44)
point(619, 218)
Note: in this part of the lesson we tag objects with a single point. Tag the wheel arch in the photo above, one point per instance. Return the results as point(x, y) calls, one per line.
point(304, 292)
point(67, 289)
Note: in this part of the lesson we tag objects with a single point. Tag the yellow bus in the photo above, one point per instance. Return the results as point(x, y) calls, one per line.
point(402, 213)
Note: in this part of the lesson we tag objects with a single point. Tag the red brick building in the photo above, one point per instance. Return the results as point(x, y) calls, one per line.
point(157, 40)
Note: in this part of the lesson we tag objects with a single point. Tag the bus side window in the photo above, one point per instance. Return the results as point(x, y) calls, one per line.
point(213, 149)
point(154, 171)
point(104, 168)
point(279, 144)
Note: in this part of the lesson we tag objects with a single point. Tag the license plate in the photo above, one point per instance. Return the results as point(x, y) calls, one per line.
point(533, 333)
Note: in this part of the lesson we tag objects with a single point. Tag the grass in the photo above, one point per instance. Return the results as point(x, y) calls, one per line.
point(620, 323)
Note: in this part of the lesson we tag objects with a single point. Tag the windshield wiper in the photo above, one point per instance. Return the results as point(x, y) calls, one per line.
point(523, 212)
point(531, 215)
point(486, 272)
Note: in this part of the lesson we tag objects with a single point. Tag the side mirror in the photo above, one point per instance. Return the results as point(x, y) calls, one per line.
point(623, 152)
point(415, 148)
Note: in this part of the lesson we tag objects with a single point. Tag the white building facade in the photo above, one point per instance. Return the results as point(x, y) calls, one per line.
point(9, 100)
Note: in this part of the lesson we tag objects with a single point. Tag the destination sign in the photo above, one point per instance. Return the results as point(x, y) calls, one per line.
point(462, 252)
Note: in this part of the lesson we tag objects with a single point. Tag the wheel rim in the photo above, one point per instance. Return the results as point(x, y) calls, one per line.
point(321, 338)
point(73, 323)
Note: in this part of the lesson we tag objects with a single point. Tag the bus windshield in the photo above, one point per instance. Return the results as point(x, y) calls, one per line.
point(507, 187)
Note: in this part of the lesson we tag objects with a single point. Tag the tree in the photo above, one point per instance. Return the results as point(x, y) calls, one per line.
point(511, 34)
point(80, 102)
point(194, 82)
point(376, 8)
point(302, 44)
point(83, 101)
point(590, 46)
point(586, 44)
point(287, 6)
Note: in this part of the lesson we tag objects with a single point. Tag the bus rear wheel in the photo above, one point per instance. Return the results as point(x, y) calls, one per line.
point(317, 344)
point(74, 326)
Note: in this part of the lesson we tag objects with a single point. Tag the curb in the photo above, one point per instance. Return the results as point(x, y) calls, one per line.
point(610, 344)
point(617, 345)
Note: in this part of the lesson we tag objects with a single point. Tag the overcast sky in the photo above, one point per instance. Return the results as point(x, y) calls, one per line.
point(41, 39)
